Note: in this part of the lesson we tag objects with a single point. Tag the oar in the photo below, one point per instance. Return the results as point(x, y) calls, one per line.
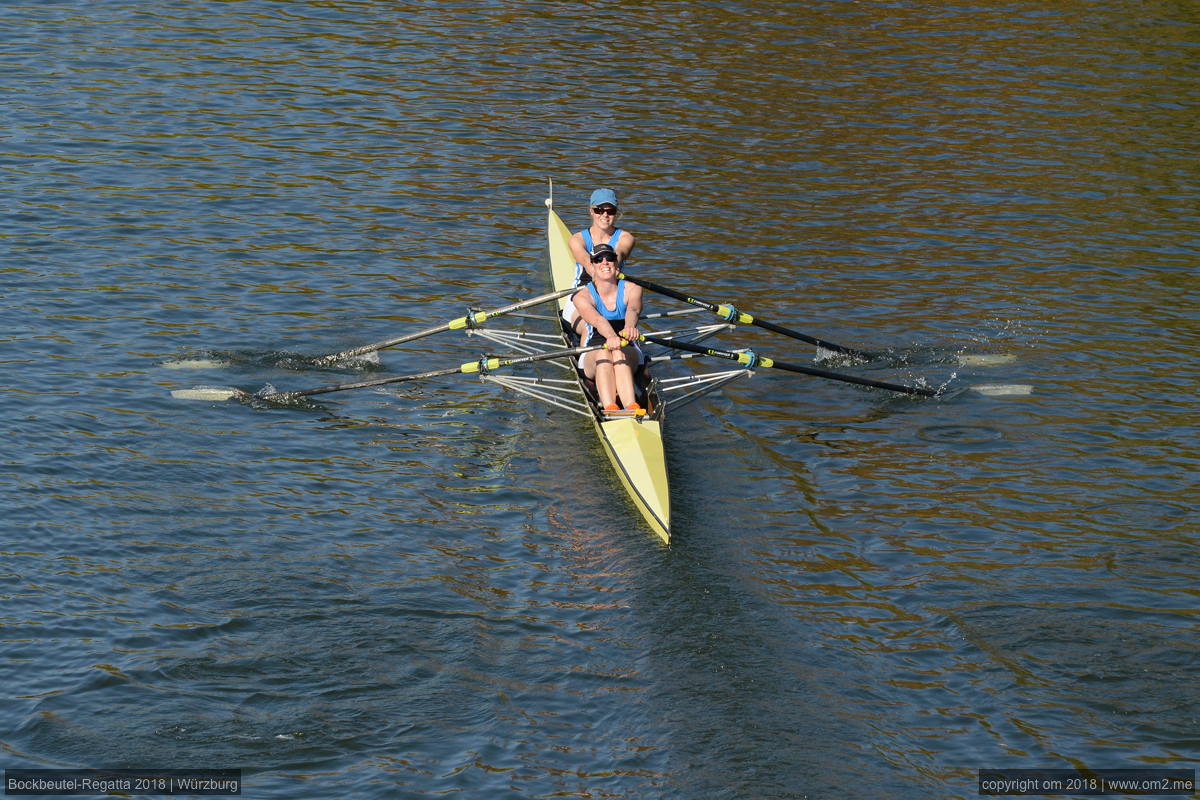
point(483, 365)
point(731, 314)
point(475, 318)
point(753, 360)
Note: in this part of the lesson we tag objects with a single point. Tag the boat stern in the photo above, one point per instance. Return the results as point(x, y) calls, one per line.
point(635, 448)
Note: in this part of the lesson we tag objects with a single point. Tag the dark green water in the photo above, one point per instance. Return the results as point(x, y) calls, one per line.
point(440, 590)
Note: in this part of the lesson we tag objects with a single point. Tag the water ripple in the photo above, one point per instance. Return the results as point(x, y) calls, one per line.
point(439, 589)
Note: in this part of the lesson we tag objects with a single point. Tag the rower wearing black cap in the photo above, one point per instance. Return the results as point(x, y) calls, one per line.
point(608, 311)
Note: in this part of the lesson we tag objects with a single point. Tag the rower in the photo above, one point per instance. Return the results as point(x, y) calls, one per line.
point(603, 230)
point(609, 310)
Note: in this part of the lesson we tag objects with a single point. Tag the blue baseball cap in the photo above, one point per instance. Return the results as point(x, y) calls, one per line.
point(603, 196)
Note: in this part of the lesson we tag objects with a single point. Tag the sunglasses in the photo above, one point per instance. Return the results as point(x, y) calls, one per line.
point(604, 210)
point(604, 257)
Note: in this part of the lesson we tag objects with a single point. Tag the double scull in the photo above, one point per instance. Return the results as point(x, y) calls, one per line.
point(632, 442)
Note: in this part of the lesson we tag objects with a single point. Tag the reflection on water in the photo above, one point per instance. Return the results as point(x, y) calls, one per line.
point(961, 434)
point(436, 588)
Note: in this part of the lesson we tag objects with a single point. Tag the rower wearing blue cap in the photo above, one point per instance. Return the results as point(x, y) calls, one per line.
point(604, 210)
point(603, 230)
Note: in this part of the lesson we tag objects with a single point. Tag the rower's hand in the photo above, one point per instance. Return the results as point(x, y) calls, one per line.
point(630, 334)
point(613, 343)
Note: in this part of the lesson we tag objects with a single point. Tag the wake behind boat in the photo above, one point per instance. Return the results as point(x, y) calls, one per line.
point(633, 441)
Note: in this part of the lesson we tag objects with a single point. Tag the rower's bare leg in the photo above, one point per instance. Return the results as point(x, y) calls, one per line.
point(599, 367)
point(606, 384)
point(623, 375)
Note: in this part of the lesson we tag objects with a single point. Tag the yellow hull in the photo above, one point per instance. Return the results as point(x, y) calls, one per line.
point(562, 263)
point(635, 449)
point(634, 445)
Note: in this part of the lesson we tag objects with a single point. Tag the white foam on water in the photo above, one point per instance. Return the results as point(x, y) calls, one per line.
point(1003, 389)
point(206, 394)
point(350, 361)
point(195, 363)
point(985, 359)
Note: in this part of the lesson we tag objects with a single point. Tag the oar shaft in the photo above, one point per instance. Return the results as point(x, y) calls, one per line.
point(731, 314)
point(482, 365)
point(341, 387)
point(824, 343)
point(474, 318)
point(763, 361)
point(654, 287)
point(355, 352)
point(919, 391)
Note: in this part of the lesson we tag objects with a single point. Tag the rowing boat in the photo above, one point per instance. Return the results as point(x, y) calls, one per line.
point(633, 444)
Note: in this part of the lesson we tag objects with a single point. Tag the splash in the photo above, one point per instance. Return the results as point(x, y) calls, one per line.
point(830, 358)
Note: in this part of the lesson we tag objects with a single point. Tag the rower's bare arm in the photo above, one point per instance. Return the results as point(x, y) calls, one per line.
point(586, 308)
point(582, 256)
point(633, 311)
point(587, 311)
point(633, 298)
point(625, 246)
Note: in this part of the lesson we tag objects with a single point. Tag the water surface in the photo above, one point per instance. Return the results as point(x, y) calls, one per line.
point(439, 589)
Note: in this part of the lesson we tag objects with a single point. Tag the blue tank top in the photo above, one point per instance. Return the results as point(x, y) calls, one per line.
point(611, 314)
point(587, 242)
point(587, 239)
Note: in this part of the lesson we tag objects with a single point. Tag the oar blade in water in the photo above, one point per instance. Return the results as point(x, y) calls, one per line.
point(210, 394)
point(1003, 389)
point(195, 363)
point(985, 359)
